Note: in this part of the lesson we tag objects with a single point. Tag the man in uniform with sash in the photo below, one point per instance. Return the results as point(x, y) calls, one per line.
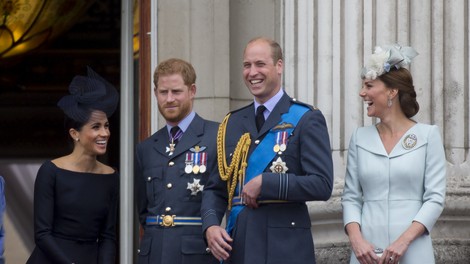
point(172, 168)
point(273, 156)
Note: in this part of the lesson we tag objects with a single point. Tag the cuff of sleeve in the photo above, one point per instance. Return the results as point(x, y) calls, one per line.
point(209, 218)
point(350, 216)
point(275, 186)
point(428, 217)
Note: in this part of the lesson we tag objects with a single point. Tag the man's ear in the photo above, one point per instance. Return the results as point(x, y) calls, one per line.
point(192, 90)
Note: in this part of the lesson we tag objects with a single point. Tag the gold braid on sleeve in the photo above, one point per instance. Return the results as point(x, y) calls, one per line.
point(231, 174)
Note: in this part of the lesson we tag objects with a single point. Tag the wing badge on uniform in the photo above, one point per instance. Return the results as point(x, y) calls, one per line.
point(283, 126)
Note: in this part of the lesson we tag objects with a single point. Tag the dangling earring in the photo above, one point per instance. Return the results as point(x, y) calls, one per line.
point(389, 102)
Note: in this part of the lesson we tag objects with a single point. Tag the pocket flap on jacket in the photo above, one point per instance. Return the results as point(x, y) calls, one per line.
point(145, 245)
point(153, 173)
point(290, 216)
point(193, 245)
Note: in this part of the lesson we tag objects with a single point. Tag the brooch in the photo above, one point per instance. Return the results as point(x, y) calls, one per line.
point(409, 141)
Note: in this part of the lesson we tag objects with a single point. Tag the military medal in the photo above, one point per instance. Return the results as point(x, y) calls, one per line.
point(173, 140)
point(279, 166)
point(203, 168)
point(197, 158)
point(170, 149)
point(283, 145)
point(409, 141)
point(189, 163)
point(195, 187)
point(276, 147)
point(188, 169)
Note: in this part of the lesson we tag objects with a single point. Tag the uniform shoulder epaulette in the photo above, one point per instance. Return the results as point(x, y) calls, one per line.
point(295, 101)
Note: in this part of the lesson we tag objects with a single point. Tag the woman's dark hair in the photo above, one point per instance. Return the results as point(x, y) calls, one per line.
point(70, 123)
point(402, 80)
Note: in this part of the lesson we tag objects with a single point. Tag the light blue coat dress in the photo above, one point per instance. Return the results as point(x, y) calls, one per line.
point(384, 193)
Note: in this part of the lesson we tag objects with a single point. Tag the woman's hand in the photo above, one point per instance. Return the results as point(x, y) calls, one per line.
point(397, 249)
point(394, 252)
point(363, 250)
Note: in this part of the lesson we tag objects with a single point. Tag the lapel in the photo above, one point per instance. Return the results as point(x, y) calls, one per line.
point(368, 138)
point(190, 138)
point(249, 123)
point(275, 116)
point(416, 132)
point(162, 141)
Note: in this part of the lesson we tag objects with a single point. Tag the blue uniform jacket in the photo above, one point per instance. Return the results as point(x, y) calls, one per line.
point(161, 188)
point(276, 232)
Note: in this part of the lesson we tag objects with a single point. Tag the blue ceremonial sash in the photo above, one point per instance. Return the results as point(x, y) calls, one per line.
point(263, 154)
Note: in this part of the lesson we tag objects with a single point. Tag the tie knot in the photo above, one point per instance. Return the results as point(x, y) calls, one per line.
point(260, 110)
point(176, 133)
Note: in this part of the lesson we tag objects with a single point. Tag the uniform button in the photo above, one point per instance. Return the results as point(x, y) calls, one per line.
point(293, 223)
point(138, 250)
point(257, 141)
point(171, 163)
point(148, 179)
point(167, 209)
point(169, 185)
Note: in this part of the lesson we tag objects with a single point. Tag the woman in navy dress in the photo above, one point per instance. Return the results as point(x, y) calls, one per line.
point(76, 196)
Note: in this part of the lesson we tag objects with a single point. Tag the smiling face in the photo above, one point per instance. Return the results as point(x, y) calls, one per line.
point(261, 74)
point(175, 99)
point(375, 95)
point(93, 136)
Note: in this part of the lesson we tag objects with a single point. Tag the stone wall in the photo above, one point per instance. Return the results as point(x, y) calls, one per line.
point(325, 45)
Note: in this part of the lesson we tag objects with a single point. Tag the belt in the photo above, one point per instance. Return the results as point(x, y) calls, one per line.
point(238, 201)
point(172, 220)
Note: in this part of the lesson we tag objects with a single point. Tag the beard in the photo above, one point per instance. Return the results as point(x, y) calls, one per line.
point(176, 114)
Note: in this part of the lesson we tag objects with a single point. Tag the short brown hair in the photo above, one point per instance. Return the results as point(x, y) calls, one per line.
point(276, 50)
point(175, 66)
point(402, 80)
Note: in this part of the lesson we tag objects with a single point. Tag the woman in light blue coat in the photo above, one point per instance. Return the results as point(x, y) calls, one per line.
point(396, 173)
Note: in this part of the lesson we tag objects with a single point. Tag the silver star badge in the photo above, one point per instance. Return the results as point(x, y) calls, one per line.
point(279, 166)
point(170, 149)
point(195, 187)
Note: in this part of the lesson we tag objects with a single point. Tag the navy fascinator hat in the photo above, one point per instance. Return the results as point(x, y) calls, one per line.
point(88, 93)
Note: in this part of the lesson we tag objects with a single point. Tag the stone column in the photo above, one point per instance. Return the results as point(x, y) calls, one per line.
point(198, 31)
point(339, 36)
point(325, 45)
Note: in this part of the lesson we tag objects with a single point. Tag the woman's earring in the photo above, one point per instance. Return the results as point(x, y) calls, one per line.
point(77, 139)
point(389, 103)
